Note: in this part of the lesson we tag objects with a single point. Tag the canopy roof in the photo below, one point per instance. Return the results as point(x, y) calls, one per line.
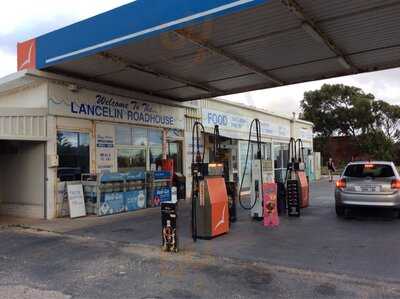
point(184, 50)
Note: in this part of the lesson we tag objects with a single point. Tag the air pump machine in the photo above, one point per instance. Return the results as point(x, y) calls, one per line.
point(262, 171)
point(210, 207)
point(297, 186)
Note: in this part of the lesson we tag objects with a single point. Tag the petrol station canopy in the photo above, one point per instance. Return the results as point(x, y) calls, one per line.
point(190, 49)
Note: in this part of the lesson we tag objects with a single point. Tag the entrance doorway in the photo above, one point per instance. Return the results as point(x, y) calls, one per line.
point(175, 153)
point(22, 179)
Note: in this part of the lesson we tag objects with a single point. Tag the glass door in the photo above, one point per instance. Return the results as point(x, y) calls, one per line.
point(175, 153)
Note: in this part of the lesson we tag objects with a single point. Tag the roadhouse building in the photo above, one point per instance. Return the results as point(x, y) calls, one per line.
point(55, 129)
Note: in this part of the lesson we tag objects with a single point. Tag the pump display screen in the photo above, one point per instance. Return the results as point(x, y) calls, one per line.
point(216, 169)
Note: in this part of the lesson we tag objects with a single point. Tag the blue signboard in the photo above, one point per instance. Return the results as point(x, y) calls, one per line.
point(158, 195)
point(134, 21)
point(163, 194)
point(135, 200)
point(112, 203)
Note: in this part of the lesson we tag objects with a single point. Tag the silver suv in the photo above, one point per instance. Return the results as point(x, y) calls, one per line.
point(369, 184)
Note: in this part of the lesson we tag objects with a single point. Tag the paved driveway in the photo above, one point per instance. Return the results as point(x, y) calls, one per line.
point(317, 255)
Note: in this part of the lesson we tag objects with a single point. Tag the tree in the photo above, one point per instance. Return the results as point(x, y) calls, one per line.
point(349, 111)
point(338, 109)
point(378, 145)
point(387, 118)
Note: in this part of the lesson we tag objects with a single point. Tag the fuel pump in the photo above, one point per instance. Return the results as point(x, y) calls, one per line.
point(262, 172)
point(231, 186)
point(302, 177)
point(210, 208)
point(291, 182)
point(297, 187)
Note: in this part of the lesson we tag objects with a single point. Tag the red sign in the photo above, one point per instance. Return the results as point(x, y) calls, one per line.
point(27, 55)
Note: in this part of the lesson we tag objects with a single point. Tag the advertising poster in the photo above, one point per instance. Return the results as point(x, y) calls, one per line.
point(76, 201)
point(271, 218)
point(135, 200)
point(105, 148)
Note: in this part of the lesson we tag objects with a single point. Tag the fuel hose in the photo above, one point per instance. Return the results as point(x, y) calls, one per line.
point(256, 122)
point(197, 158)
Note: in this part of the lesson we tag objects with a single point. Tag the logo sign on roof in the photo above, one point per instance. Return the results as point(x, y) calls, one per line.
point(26, 55)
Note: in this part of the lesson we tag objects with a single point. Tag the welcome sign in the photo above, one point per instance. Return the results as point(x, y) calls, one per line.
point(97, 106)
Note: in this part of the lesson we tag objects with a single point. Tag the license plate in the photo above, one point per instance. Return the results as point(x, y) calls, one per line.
point(367, 188)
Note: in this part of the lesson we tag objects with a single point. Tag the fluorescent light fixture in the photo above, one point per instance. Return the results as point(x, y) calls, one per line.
point(344, 63)
point(313, 33)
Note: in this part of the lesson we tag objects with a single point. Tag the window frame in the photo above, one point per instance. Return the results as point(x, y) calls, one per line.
point(79, 132)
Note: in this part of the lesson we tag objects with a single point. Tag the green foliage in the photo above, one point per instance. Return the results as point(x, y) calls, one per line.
point(387, 118)
point(339, 110)
point(378, 145)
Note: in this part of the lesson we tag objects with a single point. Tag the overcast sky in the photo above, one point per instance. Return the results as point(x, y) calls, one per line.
point(21, 20)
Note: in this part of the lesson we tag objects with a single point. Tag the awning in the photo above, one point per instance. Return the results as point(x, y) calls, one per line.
point(184, 50)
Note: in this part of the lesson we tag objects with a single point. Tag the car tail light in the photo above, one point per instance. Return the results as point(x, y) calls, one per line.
point(341, 184)
point(395, 184)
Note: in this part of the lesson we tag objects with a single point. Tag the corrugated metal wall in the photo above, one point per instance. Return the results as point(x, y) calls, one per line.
point(23, 124)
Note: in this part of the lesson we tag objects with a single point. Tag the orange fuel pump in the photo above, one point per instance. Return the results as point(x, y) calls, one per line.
point(210, 207)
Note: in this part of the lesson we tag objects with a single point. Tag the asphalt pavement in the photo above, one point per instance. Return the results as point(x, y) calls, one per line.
point(315, 256)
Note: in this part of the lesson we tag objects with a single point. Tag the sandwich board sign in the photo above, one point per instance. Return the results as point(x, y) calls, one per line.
point(76, 201)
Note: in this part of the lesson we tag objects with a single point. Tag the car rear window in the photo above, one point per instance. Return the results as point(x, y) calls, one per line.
point(369, 170)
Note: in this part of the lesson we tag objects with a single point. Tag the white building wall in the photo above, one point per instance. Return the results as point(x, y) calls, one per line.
point(23, 123)
point(31, 97)
point(51, 152)
point(304, 131)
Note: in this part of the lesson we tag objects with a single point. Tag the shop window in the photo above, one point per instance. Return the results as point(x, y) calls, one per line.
point(281, 159)
point(131, 160)
point(139, 136)
point(156, 155)
point(265, 151)
point(73, 150)
point(155, 137)
point(123, 135)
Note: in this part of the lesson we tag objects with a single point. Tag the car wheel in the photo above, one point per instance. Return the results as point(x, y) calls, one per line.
point(340, 211)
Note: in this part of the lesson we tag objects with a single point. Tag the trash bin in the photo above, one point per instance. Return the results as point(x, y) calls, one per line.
point(169, 233)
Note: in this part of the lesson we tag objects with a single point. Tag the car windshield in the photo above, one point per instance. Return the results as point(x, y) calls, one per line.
point(369, 170)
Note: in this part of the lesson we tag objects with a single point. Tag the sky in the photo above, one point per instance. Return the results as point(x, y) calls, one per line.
point(21, 20)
